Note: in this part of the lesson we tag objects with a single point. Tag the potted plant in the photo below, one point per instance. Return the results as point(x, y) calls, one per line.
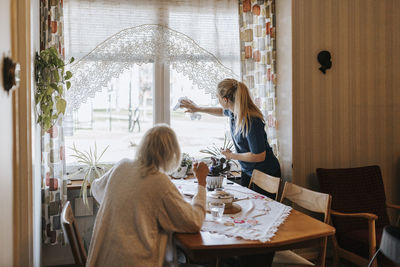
point(50, 77)
point(217, 172)
point(92, 168)
point(185, 167)
point(219, 166)
point(215, 152)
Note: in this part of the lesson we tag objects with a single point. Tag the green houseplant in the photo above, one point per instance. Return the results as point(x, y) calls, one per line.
point(220, 167)
point(218, 170)
point(92, 168)
point(187, 161)
point(50, 77)
point(185, 167)
point(215, 152)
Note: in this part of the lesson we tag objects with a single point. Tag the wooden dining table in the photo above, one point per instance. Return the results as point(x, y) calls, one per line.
point(298, 230)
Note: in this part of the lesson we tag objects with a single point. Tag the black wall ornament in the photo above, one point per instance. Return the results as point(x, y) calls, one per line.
point(324, 58)
point(11, 72)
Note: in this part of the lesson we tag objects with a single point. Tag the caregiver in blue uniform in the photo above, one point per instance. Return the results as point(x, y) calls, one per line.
point(247, 129)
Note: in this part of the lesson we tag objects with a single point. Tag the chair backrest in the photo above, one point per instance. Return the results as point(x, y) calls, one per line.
point(312, 201)
point(266, 182)
point(308, 199)
point(355, 190)
point(72, 235)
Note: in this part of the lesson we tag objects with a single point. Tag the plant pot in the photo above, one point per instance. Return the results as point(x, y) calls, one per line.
point(214, 182)
point(180, 172)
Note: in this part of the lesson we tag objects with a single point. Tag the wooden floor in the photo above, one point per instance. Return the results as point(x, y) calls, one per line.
point(233, 263)
point(329, 263)
point(343, 263)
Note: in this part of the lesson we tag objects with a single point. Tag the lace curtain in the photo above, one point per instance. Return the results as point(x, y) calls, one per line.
point(143, 44)
point(54, 188)
point(198, 38)
point(258, 59)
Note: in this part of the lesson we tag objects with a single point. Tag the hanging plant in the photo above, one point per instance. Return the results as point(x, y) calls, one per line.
point(50, 77)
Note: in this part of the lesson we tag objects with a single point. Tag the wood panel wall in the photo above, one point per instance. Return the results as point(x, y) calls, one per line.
point(351, 116)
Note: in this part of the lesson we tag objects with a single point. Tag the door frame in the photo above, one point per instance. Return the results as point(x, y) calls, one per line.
point(22, 141)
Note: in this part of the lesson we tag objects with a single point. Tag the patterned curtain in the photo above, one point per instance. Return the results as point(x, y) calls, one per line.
point(54, 188)
point(258, 59)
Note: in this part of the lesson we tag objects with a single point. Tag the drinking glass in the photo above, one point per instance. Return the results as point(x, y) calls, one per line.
point(217, 210)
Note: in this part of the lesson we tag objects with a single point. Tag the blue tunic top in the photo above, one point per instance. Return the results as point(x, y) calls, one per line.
point(255, 142)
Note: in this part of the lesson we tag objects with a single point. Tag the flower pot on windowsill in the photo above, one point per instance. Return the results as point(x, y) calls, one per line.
point(92, 168)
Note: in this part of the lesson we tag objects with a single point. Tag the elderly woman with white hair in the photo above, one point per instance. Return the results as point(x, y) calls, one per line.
point(140, 206)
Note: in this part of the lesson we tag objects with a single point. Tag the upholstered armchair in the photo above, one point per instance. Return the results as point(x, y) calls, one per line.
point(359, 211)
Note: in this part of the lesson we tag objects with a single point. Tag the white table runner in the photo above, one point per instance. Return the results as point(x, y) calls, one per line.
point(259, 218)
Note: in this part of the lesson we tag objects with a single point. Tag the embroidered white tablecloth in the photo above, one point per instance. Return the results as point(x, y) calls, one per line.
point(259, 218)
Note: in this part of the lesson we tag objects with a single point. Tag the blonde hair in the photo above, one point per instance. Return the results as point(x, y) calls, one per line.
point(159, 150)
point(244, 107)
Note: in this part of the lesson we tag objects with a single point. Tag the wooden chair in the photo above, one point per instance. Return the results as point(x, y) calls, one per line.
point(358, 211)
point(312, 201)
point(72, 235)
point(265, 182)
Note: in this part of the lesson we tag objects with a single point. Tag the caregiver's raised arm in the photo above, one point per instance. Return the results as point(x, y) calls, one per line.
point(192, 107)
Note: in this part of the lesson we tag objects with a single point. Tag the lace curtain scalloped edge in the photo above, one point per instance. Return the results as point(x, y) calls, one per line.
point(140, 45)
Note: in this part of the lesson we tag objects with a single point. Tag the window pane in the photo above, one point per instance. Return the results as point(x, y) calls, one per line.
point(194, 135)
point(118, 116)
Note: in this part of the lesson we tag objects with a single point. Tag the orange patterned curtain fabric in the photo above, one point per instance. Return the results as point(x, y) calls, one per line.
point(54, 186)
point(258, 58)
point(52, 25)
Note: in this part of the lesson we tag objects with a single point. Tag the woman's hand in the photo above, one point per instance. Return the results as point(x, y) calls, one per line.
point(227, 153)
point(200, 170)
point(190, 106)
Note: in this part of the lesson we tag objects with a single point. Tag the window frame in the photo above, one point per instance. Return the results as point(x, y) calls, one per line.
point(161, 93)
